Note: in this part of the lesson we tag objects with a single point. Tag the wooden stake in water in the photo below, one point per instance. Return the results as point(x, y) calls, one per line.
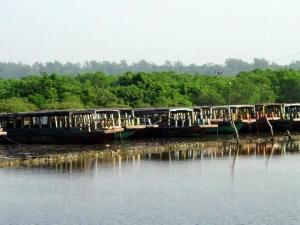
point(234, 127)
point(271, 128)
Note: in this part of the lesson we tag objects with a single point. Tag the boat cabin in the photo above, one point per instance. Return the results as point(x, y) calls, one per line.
point(273, 111)
point(243, 113)
point(220, 113)
point(130, 121)
point(291, 111)
point(87, 120)
point(2, 131)
point(166, 117)
point(202, 114)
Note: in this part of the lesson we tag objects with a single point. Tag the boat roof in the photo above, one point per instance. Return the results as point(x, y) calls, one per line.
point(221, 107)
point(59, 112)
point(269, 104)
point(242, 106)
point(126, 110)
point(224, 106)
point(203, 107)
point(291, 104)
point(160, 110)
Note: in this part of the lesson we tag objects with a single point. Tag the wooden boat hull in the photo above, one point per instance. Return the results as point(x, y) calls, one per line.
point(225, 127)
point(280, 125)
point(184, 132)
point(133, 132)
point(295, 125)
point(284, 125)
point(57, 136)
point(261, 125)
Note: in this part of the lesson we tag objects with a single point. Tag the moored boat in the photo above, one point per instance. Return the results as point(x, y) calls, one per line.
point(270, 114)
point(291, 117)
point(222, 116)
point(244, 116)
point(133, 126)
point(172, 122)
point(62, 126)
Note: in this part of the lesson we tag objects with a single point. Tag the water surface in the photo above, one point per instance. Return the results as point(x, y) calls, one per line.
point(249, 184)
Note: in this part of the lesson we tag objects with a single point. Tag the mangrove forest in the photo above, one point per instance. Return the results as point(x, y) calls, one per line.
point(141, 89)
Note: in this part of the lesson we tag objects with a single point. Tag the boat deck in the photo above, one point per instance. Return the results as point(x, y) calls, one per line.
point(209, 126)
point(135, 127)
point(112, 131)
point(248, 121)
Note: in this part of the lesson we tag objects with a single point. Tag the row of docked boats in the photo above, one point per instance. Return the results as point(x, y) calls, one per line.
point(103, 125)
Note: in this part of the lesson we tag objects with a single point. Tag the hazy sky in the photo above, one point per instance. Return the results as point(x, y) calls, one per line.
point(193, 31)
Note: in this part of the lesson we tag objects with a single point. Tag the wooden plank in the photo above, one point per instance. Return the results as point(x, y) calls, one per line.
point(209, 126)
point(132, 127)
point(111, 131)
point(3, 133)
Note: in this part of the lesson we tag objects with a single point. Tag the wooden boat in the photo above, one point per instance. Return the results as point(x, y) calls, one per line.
point(171, 122)
point(62, 127)
point(203, 115)
point(244, 114)
point(290, 119)
point(222, 116)
point(271, 113)
point(133, 126)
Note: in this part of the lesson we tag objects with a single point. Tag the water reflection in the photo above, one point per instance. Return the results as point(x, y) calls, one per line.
point(89, 157)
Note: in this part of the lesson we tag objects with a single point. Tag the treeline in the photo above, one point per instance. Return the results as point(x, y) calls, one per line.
point(155, 89)
point(230, 67)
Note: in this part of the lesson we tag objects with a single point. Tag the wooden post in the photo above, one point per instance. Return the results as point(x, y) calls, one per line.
point(271, 128)
point(65, 121)
point(55, 121)
point(113, 120)
point(22, 122)
point(235, 130)
point(88, 123)
point(119, 119)
point(70, 120)
point(74, 120)
point(40, 122)
point(95, 120)
point(289, 135)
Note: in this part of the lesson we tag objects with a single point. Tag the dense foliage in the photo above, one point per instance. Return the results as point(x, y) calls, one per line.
point(147, 89)
point(230, 67)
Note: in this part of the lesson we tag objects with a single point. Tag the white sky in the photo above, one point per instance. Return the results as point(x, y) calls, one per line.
point(192, 31)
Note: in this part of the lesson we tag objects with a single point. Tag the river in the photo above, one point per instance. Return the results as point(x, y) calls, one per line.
point(253, 183)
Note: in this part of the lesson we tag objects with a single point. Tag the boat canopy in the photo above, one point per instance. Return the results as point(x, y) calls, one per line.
point(145, 111)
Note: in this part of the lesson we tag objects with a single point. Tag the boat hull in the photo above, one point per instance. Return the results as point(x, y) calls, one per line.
point(56, 136)
point(225, 127)
point(132, 133)
point(172, 132)
point(280, 125)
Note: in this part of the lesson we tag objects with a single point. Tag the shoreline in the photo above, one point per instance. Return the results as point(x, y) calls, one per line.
point(13, 156)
